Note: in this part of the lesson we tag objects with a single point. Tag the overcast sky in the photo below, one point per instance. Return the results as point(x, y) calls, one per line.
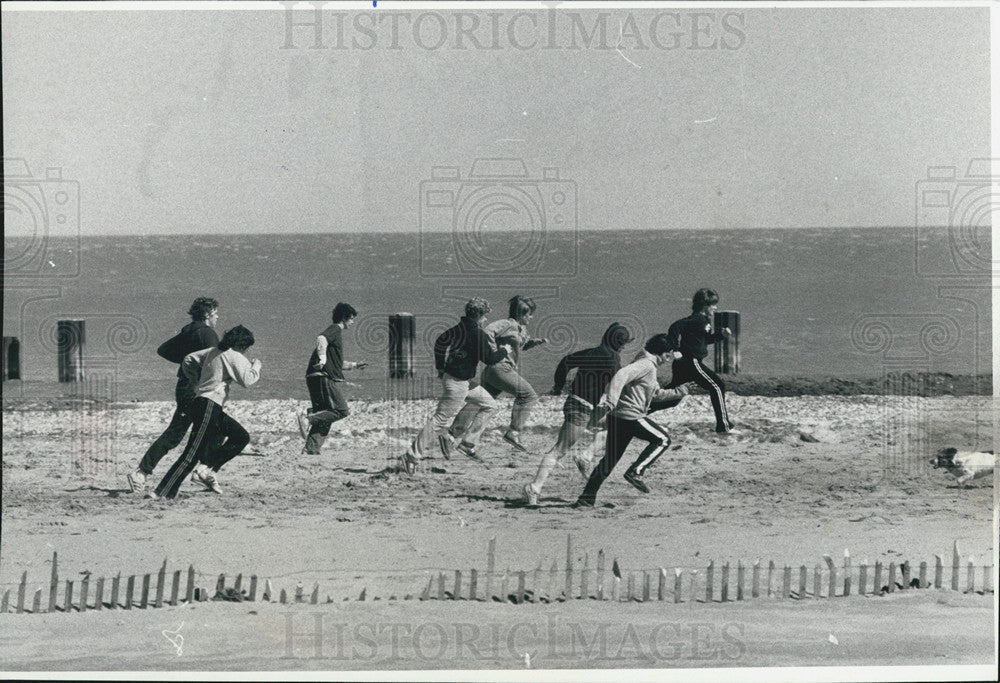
point(200, 121)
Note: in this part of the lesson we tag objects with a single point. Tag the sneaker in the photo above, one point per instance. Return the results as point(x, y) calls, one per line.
point(206, 477)
point(303, 422)
point(584, 467)
point(469, 451)
point(583, 503)
point(636, 481)
point(136, 480)
point(447, 443)
point(408, 462)
point(152, 495)
point(511, 437)
point(530, 495)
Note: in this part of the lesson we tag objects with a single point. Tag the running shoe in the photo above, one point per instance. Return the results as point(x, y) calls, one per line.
point(530, 495)
point(511, 437)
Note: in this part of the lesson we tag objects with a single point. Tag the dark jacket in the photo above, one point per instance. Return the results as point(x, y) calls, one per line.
point(194, 336)
point(459, 350)
point(594, 367)
point(692, 335)
point(333, 368)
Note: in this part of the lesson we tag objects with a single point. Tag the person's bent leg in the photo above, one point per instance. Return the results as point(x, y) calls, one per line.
point(659, 442)
point(167, 441)
point(485, 405)
point(205, 417)
point(716, 388)
point(332, 406)
point(236, 439)
point(619, 436)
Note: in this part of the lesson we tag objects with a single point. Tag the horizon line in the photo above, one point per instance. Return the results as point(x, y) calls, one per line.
point(445, 232)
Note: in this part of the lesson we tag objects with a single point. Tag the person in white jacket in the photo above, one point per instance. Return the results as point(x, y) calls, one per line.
point(504, 376)
point(625, 403)
point(216, 438)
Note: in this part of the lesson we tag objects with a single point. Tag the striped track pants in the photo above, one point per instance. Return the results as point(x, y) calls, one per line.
point(693, 370)
point(620, 435)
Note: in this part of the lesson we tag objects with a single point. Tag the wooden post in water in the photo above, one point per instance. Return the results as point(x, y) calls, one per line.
point(401, 332)
point(727, 351)
point(70, 337)
point(11, 359)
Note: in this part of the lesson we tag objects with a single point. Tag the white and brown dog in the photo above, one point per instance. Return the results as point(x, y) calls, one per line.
point(966, 465)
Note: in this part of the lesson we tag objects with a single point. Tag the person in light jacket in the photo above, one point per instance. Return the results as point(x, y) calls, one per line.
point(216, 438)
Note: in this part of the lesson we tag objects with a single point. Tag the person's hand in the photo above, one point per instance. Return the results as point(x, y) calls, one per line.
point(726, 332)
point(677, 355)
point(597, 416)
point(256, 364)
point(508, 348)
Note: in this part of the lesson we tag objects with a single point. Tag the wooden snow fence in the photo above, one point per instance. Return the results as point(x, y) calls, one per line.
point(579, 576)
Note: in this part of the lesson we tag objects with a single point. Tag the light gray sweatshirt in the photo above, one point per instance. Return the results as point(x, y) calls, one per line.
point(210, 372)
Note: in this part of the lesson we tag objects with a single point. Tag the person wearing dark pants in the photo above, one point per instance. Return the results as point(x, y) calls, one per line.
point(216, 438)
point(197, 335)
point(626, 404)
point(325, 379)
point(691, 337)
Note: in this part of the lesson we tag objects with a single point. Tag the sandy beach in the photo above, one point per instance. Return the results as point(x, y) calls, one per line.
point(807, 476)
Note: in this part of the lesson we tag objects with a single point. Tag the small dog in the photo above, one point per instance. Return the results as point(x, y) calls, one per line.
point(966, 465)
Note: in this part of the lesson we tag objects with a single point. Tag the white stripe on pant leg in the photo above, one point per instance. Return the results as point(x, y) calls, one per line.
point(715, 388)
point(655, 429)
point(191, 449)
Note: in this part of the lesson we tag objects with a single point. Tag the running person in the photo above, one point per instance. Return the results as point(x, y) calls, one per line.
point(457, 354)
point(197, 335)
point(627, 399)
point(691, 336)
point(594, 369)
point(216, 438)
point(324, 375)
point(503, 376)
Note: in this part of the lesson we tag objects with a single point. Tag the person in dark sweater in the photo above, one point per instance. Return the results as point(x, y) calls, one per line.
point(691, 336)
point(324, 377)
point(457, 354)
point(197, 335)
point(594, 369)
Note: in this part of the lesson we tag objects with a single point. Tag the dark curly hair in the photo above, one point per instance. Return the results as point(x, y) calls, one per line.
point(703, 297)
point(342, 312)
point(202, 308)
point(238, 339)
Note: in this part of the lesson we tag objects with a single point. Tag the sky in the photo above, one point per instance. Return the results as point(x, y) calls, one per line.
point(175, 122)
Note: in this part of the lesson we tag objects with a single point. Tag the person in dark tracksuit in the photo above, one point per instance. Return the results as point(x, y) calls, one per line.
point(691, 337)
point(324, 375)
point(216, 438)
point(197, 335)
point(457, 354)
point(594, 369)
point(626, 405)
